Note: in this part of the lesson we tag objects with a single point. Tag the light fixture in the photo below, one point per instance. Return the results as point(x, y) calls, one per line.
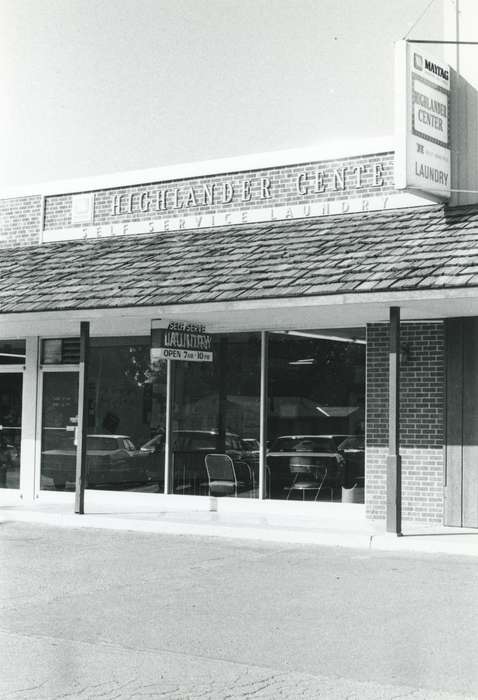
point(404, 353)
point(322, 336)
point(305, 361)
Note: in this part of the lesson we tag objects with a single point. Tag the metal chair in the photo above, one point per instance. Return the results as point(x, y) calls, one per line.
point(222, 479)
point(244, 474)
point(308, 476)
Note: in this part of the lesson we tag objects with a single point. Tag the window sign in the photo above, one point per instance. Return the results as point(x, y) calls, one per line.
point(422, 128)
point(181, 340)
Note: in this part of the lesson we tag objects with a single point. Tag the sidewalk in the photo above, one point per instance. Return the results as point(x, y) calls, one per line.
point(352, 531)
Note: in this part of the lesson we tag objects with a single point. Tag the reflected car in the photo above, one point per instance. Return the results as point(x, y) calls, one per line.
point(313, 451)
point(353, 451)
point(250, 445)
point(189, 448)
point(111, 460)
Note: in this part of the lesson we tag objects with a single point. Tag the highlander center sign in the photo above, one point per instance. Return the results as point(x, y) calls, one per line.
point(422, 129)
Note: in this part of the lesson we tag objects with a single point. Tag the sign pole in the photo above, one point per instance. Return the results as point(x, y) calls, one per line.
point(167, 431)
point(82, 426)
point(394, 466)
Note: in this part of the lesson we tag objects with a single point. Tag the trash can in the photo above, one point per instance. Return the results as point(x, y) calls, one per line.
point(354, 494)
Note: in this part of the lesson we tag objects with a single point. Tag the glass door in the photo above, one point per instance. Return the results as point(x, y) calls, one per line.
point(59, 421)
point(11, 384)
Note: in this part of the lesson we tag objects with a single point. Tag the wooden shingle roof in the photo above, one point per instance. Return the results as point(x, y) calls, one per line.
point(418, 248)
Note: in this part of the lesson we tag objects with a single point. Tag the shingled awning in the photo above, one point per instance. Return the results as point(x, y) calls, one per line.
point(407, 249)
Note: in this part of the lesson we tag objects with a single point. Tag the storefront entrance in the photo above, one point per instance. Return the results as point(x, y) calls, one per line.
point(312, 415)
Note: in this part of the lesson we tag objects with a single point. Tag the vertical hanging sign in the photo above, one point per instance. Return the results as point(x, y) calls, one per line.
point(422, 127)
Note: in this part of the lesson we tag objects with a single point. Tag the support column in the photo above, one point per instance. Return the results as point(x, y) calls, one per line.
point(264, 402)
point(82, 427)
point(29, 420)
point(394, 466)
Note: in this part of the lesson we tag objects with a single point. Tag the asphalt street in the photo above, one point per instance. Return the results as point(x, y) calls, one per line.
point(90, 613)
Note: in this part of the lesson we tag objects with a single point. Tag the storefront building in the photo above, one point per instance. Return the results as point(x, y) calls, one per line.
point(242, 309)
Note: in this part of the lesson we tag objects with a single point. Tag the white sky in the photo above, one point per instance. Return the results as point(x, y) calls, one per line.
point(99, 86)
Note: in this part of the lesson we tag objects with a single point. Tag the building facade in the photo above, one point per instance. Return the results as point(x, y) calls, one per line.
point(241, 308)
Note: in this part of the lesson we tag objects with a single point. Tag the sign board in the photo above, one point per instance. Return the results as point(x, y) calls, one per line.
point(180, 340)
point(422, 127)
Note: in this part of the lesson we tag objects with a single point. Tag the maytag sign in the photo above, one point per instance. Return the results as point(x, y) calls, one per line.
point(180, 340)
point(422, 129)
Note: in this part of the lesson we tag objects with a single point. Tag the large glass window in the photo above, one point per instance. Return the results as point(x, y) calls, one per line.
point(59, 420)
point(126, 418)
point(10, 428)
point(316, 415)
point(216, 409)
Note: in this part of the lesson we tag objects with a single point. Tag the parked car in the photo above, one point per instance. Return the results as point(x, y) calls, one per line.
point(353, 451)
point(111, 460)
point(250, 444)
point(317, 451)
point(189, 448)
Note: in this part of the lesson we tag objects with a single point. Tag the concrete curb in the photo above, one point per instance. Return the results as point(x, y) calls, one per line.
point(461, 543)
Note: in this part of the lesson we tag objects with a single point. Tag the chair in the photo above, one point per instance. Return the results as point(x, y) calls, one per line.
point(244, 474)
point(222, 479)
point(308, 476)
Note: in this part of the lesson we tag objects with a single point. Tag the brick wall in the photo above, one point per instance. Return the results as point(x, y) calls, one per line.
point(20, 221)
point(283, 191)
point(421, 421)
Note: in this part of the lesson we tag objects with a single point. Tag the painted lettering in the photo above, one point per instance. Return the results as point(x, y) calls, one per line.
point(116, 204)
point(208, 194)
point(265, 188)
point(176, 204)
point(160, 200)
point(319, 182)
point(246, 194)
point(301, 184)
point(191, 198)
point(359, 171)
point(227, 193)
point(144, 201)
point(377, 175)
point(339, 178)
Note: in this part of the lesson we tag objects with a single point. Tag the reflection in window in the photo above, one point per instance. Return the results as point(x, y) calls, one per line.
point(126, 410)
point(216, 407)
point(316, 410)
point(126, 420)
point(10, 429)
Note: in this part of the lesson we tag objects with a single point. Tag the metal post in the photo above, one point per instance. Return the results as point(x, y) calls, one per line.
point(82, 427)
point(394, 467)
point(167, 427)
point(263, 412)
point(222, 395)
